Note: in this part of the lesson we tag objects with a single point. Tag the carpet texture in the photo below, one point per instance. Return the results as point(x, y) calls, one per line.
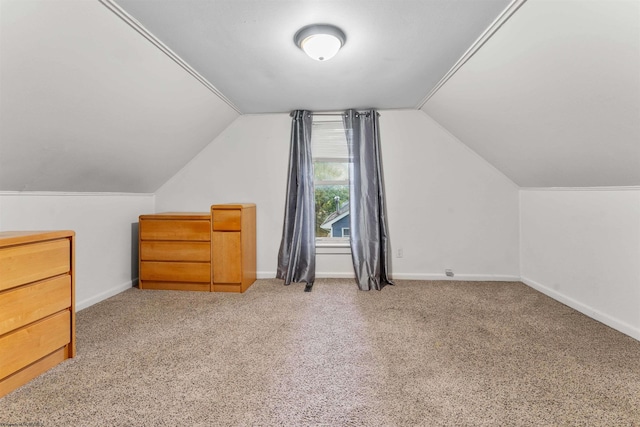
point(418, 353)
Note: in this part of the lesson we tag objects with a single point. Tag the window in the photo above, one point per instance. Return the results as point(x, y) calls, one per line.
point(331, 179)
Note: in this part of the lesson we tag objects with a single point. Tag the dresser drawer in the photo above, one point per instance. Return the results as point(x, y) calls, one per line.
point(26, 304)
point(227, 219)
point(176, 286)
point(175, 251)
point(31, 262)
point(175, 271)
point(159, 229)
point(30, 343)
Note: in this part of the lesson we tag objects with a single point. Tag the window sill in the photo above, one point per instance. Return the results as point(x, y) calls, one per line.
point(333, 246)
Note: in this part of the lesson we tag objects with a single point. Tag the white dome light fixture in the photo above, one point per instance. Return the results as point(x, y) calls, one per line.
point(320, 41)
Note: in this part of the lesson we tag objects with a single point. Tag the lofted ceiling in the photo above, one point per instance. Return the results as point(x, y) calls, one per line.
point(553, 98)
point(87, 105)
point(395, 53)
point(92, 100)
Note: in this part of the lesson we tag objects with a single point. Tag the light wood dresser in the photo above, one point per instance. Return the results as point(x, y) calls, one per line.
point(37, 304)
point(175, 251)
point(233, 246)
point(199, 251)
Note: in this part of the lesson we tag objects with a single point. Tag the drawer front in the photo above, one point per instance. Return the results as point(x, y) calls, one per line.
point(26, 345)
point(227, 257)
point(175, 251)
point(32, 262)
point(26, 304)
point(158, 229)
point(199, 272)
point(175, 286)
point(226, 219)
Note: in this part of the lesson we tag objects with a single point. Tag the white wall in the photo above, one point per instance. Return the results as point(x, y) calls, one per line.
point(106, 234)
point(246, 163)
point(582, 247)
point(447, 207)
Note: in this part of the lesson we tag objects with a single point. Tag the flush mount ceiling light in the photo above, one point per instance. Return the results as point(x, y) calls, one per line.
point(320, 41)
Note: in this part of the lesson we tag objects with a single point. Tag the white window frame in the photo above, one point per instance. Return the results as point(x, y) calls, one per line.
point(331, 244)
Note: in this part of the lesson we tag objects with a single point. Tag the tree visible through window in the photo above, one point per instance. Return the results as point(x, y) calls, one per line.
point(331, 177)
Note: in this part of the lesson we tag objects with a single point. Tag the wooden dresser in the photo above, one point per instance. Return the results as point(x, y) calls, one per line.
point(175, 251)
point(199, 251)
point(37, 304)
point(233, 246)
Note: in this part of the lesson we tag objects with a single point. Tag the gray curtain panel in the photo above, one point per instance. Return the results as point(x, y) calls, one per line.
point(297, 255)
point(368, 214)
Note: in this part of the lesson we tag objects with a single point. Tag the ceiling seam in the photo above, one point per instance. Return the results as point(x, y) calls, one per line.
point(480, 41)
point(595, 189)
point(133, 23)
point(39, 193)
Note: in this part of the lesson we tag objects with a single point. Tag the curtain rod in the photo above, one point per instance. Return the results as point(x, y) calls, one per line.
point(335, 114)
point(366, 113)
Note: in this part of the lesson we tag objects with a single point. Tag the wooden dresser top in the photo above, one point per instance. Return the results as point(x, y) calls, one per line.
point(10, 238)
point(178, 215)
point(234, 206)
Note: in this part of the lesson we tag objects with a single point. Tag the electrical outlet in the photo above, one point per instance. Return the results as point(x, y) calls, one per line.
point(448, 272)
point(399, 253)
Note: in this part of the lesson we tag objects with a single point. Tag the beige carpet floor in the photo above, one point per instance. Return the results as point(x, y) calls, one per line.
point(418, 353)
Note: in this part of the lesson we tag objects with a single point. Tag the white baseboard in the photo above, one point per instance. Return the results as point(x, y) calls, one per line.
point(616, 324)
point(410, 276)
point(272, 275)
point(460, 277)
point(265, 275)
point(81, 305)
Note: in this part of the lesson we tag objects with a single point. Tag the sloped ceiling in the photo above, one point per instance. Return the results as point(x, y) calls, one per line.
point(87, 104)
point(553, 98)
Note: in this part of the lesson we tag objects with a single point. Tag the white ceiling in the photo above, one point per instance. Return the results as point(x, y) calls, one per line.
point(553, 98)
point(396, 50)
